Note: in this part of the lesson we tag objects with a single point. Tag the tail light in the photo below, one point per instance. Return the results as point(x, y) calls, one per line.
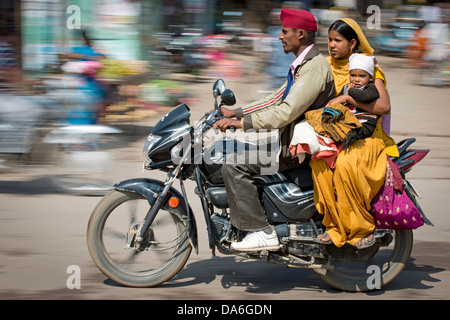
point(410, 158)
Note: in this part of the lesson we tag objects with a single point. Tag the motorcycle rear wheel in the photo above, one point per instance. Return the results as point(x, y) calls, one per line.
point(358, 277)
point(112, 223)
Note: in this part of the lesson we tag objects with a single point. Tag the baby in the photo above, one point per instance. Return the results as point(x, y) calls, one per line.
point(339, 120)
point(362, 89)
point(361, 69)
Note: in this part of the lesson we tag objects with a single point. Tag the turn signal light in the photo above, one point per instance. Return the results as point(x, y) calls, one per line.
point(173, 202)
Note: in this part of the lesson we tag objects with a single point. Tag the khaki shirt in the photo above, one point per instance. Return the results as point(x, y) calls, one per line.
point(313, 87)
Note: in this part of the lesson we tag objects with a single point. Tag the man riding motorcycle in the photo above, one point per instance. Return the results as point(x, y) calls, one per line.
point(310, 85)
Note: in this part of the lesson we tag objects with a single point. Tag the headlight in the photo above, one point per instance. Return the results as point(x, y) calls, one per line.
point(150, 143)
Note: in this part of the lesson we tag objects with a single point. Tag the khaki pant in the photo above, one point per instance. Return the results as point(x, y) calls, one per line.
point(246, 211)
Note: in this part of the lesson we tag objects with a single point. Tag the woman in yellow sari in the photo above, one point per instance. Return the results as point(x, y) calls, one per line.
point(344, 194)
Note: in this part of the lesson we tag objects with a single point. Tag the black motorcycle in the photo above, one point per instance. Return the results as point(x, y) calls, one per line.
point(142, 233)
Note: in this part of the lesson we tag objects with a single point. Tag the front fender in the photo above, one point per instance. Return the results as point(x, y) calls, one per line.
point(149, 188)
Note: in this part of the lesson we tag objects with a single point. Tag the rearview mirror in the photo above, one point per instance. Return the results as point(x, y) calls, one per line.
point(228, 97)
point(218, 88)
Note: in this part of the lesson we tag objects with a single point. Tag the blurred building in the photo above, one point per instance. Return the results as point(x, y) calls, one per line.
point(52, 27)
point(38, 30)
point(34, 32)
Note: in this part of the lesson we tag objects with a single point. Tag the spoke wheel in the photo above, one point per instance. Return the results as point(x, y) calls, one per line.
point(383, 267)
point(112, 233)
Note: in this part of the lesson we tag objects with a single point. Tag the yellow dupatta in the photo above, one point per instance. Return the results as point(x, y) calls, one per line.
point(341, 74)
point(340, 67)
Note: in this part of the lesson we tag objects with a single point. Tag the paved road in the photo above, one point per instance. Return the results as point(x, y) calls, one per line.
point(42, 232)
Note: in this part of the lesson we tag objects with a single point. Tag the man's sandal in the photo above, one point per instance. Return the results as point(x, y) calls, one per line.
point(365, 242)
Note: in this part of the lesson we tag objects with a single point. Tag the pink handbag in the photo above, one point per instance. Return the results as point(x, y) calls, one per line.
point(391, 207)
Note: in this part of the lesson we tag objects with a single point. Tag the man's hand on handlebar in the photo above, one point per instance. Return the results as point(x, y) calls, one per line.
point(226, 123)
point(225, 112)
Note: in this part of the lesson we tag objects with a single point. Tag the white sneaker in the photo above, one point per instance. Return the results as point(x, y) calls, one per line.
point(257, 241)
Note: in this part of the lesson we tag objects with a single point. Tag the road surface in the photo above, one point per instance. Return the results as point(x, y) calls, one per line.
point(42, 231)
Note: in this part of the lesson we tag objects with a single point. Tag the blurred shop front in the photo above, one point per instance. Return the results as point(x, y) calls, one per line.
point(52, 27)
point(121, 29)
point(37, 36)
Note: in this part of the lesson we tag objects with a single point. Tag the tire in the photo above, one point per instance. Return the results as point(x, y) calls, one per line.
point(363, 280)
point(168, 245)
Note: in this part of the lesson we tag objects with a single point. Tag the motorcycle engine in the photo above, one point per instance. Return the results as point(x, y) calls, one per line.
point(221, 227)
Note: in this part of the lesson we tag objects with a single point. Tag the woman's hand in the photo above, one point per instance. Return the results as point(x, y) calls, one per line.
point(226, 123)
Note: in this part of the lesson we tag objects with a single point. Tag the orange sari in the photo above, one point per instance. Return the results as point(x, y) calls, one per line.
point(344, 194)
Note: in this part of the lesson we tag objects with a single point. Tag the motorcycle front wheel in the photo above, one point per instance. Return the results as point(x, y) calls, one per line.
point(111, 232)
point(375, 273)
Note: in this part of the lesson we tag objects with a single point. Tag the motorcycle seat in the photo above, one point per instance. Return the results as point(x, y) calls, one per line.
point(301, 176)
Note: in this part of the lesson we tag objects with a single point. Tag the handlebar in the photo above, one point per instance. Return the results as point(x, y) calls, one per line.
point(210, 122)
point(211, 119)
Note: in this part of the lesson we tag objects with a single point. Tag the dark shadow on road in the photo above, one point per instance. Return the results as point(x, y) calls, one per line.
point(427, 260)
point(258, 277)
point(31, 187)
point(255, 276)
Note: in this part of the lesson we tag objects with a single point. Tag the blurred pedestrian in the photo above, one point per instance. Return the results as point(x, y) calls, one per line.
point(10, 71)
point(93, 95)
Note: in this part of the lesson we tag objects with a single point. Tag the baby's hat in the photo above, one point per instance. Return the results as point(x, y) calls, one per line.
point(363, 62)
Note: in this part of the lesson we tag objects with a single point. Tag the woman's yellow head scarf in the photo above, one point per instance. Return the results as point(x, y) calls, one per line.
point(341, 75)
point(340, 67)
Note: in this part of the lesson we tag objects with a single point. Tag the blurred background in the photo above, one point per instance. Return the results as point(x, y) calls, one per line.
point(74, 73)
point(83, 82)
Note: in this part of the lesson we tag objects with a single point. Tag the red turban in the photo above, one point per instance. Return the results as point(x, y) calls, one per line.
point(298, 19)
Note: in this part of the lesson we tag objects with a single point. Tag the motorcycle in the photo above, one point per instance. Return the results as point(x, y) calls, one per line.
point(142, 233)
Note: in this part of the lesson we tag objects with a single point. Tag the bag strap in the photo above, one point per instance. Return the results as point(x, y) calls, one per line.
point(398, 180)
